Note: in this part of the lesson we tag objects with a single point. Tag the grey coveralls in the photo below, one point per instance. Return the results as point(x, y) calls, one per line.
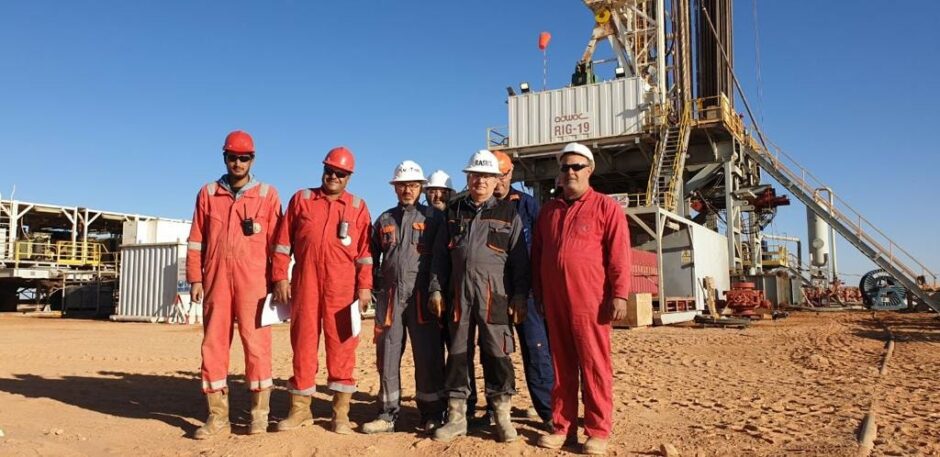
point(403, 241)
point(488, 263)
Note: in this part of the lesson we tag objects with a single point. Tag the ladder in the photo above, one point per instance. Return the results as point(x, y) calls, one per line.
point(857, 230)
point(669, 163)
point(5, 235)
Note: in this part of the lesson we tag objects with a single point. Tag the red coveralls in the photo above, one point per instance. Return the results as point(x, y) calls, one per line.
point(234, 270)
point(325, 279)
point(580, 262)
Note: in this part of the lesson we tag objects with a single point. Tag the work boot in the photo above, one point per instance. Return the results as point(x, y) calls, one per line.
point(456, 421)
point(553, 441)
point(505, 432)
point(431, 423)
point(378, 426)
point(595, 446)
point(260, 407)
point(299, 414)
point(217, 423)
point(341, 423)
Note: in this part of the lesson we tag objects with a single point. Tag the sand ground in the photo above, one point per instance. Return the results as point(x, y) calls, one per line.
point(798, 386)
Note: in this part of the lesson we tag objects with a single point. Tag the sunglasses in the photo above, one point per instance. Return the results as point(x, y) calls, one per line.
point(327, 171)
point(243, 158)
point(573, 166)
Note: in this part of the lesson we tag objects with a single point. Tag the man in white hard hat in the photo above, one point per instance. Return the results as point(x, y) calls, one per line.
point(581, 272)
point(483, 258)
point(438, 190)
point(402, 243)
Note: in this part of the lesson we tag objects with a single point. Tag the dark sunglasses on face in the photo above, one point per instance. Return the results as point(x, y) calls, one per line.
point(243, 158)
point(573, 166)
point(327, 171)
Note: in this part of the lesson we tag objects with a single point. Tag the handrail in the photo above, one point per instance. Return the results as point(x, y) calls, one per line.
point(861, 226)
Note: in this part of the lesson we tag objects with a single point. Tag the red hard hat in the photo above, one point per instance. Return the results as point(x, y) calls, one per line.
point(341, 159)
point(239, 142)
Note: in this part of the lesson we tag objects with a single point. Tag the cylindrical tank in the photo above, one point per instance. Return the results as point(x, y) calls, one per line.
point(818, 237)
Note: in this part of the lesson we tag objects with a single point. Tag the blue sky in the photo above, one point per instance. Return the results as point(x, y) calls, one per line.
point(124, 105)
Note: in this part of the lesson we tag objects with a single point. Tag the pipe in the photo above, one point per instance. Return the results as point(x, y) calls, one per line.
point(661, 50)
point(144, 319)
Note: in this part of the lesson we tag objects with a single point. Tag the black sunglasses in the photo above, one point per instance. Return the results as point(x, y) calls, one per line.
point(327, 171)
point(573, 166)
point(243, 158)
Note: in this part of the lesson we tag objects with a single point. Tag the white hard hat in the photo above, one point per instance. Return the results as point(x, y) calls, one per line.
point(439, 179)
point(483, 161)
point(576, 148)
point(408, 171)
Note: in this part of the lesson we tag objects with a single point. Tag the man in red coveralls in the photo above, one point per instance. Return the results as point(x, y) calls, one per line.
point(328, 230)
point(227, 263)
point(581, 272)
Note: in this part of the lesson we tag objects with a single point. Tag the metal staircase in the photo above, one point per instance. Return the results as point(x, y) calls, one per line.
point(669, 163)
point(857, 230)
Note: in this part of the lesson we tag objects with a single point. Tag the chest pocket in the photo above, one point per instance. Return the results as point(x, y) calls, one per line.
point(457, 229)
point(498, 236)
point(418, 238)
point(389, 236)
point(584, 229)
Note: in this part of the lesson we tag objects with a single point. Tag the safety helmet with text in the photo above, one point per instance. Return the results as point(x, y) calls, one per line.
point(341, 159)
point(408, 171)
point(483, 161)
point(239, 142)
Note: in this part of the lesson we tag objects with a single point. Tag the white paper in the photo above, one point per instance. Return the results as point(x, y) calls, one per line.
point(355, 318)
point(274, 312)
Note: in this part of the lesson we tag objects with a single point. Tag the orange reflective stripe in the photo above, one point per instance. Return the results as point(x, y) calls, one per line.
point(489, 299)
point(389, 229)
point(418, 225)
point(421, 319)
point(388, 309)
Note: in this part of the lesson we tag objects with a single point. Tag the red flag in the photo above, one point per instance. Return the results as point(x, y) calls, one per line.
point(544, 38)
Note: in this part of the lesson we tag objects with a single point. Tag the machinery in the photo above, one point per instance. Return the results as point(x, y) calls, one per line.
point(880, 291)
point(660, 115)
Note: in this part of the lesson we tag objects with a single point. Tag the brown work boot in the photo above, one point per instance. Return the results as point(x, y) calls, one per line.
point(260, 407)
point(456, 421)
point(595, 446)
point(553, 441)
point(341, 424)
point(505, 432)
point(217, 423)
point(299, 414)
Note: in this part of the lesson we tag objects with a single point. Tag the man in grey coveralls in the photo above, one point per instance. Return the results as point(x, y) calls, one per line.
point(402, 243)
point(488, 266)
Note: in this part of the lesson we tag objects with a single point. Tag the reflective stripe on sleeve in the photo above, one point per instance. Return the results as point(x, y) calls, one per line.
point(282, 249)
point(194, 246)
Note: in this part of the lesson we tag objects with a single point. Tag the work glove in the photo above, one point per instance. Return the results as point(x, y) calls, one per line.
point(518, 308)
point(436, 304)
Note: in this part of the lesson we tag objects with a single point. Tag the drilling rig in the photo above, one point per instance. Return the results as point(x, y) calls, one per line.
point(686, 165)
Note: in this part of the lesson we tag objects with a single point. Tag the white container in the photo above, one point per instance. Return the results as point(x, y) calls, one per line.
point(601, 110)
point(155, 231)
point(151, 279)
